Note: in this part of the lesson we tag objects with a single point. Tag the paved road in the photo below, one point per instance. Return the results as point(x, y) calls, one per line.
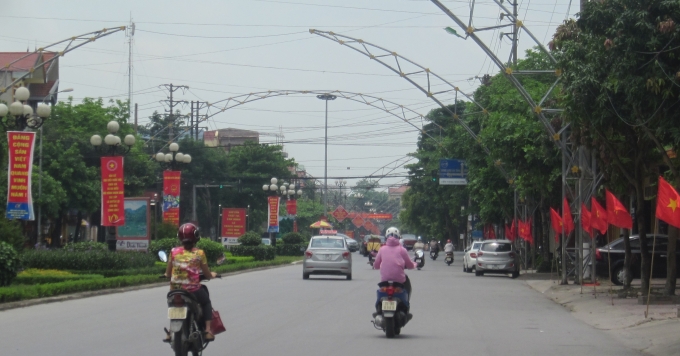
point(275, 312)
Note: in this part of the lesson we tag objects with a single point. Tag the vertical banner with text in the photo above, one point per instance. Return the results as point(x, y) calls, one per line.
point(233, 222)
point(273, 214)
point(171, 184)
point(19, 198)
point(113, 196)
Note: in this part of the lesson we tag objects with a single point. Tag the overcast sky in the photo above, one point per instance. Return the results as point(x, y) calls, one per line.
point(228, 48)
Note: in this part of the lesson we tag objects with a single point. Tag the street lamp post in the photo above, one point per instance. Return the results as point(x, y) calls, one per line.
point(112, 147)
point(23, 117)
point(326, 98)
point(173, 157)
point(286, 190)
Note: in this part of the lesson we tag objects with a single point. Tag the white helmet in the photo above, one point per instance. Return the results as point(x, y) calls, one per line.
point(420, 238)
point(393, 231)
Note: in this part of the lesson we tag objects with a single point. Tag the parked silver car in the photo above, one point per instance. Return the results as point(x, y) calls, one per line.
point(327, 255)
point(497, 256)
point(470, 257)
point(352, 244)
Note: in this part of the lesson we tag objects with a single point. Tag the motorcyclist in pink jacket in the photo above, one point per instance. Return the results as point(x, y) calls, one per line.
point(392, 259)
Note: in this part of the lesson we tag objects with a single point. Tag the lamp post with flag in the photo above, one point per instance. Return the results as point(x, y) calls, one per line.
point(113, 196)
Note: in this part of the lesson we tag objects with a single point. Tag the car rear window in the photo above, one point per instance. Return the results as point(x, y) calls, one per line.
point(476, 245)
point(496, 247)
point(328, 243)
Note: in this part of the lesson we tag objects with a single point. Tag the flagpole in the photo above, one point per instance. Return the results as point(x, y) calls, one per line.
point(609, 259)
point(651, 268)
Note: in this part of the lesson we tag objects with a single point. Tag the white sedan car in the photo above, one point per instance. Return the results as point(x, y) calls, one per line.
point(470, 257)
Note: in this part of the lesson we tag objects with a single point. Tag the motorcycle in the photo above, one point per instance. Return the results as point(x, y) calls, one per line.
point(434, 254)
point(371, 257)
point(449, 258)
point(419, 259)
point(187, 326)
point(392, 308)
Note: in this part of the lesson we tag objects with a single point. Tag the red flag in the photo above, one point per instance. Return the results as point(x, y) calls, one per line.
point(567, 220)
point(585, 219)
point(508, 233)
point(598, 216)
point(556, 224)
point(668, 204)
point(492, 232)
point(525, 231)
point(617, 214)
point(513, 231)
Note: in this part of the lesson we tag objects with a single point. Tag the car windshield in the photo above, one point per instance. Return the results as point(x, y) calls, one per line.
point(323, 242)
point(496, 247)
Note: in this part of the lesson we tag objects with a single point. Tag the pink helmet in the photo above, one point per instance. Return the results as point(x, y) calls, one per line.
point(188, 233)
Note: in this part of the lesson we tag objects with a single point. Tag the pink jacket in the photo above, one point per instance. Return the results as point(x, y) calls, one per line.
point(393, 259)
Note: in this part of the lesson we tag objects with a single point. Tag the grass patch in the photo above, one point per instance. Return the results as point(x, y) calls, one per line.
point(44, 276)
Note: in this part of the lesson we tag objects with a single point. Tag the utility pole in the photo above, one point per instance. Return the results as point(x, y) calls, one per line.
point(171, 104)
point(131, 33)
point(514, 35)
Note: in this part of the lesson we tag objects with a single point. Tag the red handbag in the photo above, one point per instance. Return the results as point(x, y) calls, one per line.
point(217, 326)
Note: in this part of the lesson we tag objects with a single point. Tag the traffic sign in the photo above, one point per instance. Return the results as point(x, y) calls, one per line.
point(452, 172)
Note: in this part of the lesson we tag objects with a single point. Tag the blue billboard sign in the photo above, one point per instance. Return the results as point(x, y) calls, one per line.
point(452, 172)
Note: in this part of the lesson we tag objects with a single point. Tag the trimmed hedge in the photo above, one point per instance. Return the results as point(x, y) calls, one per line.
point(292, 238)
point(155, 270)
point(163, 245)
point(21, 292)
point(239, 259)
point(291, 250)
point(90, 260)
point(260, 253)
point(86, 246)
point(250, 239)
point(39, 276)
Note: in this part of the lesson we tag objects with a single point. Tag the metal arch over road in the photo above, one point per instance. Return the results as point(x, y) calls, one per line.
point(432, 80)
point(72, 44)
point(401, 112)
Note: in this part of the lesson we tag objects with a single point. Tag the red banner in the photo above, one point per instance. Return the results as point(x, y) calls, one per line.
point(358, 221)
point(368, 225)
point(379, 216)
point(113, 197)
point(171, 190)
point(291, 207)
point(340, 213)
point(233, 222)
point(19, 199)
point(273, 214)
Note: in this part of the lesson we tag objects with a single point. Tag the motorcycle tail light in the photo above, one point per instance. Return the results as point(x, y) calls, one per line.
point(390, 291)
point(473, 255)
point(345, 255)
point(177, 300)
point(598, 255)
point(308, 254)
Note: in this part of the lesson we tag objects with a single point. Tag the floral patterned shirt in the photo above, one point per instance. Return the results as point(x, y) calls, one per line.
point(186, 268)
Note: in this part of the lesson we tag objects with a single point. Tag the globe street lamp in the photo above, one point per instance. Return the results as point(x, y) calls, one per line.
point(326, 98)
point(286, 190)
point(22, 113)
point(173, 157)
point(112, 142)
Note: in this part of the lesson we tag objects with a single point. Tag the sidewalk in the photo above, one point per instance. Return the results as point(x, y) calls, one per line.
point(658, 335)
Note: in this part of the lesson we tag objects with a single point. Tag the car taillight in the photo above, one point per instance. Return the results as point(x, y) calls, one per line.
point(345, 255)
point(177, 300)
point(598, 255)
point(480, 253)
point(511, 255)
point(308, 254)
point(473, 255)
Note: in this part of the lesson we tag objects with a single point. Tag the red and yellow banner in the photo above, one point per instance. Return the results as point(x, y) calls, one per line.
point(113, 197)
point(19, 199)
point(273, 214)
point(171, 190)
point(291, 207)
point(233, 222)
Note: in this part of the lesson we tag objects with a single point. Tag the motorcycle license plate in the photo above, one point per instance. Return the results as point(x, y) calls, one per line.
point(389, 305)
point(177, 313)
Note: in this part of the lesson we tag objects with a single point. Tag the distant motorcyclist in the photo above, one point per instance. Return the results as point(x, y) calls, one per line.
point(419, 245)
point(448, 247)
point(434, 245)
point(392, 259)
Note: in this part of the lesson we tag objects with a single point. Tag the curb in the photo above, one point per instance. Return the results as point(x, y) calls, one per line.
point(81, 295)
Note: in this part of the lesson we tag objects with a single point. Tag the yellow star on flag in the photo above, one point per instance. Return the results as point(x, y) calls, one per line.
point(673, 204)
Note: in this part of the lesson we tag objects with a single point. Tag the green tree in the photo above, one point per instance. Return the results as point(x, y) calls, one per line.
point(620, 94)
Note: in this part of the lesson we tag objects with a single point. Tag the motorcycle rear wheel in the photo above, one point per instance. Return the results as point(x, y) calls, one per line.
point(390, 328)
point(178, 343)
